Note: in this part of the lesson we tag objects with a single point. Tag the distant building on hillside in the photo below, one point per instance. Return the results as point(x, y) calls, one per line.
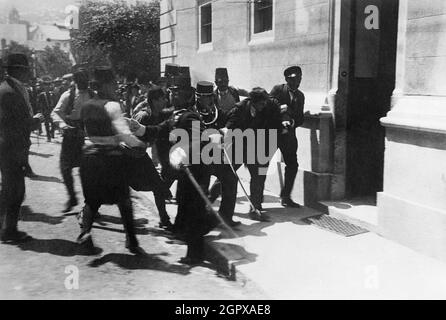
point(49, 35)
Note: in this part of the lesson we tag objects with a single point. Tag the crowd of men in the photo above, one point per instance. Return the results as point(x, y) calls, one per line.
point(107, 128)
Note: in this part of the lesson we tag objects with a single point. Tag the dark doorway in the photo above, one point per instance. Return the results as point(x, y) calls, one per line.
point(372, 56)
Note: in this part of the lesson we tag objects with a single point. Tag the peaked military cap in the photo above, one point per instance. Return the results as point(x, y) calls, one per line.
point(204, 88)
point(292, 72)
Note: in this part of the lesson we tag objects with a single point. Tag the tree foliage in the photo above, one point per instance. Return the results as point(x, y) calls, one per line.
point(125, 36)
point(54, 62)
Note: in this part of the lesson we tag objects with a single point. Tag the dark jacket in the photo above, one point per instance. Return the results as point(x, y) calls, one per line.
point(16, 123)
point(269, 119)
point(233, 92)
point(45, 103)
point(281, 95)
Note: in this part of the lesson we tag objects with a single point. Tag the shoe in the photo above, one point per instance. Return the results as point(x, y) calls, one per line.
point(14, 237)
point(213, 197)
point(137, 251)
point(233, 223)
point(84, 238)
point(166, 224)
point(288, 203)
point(258, 215)
point(70, 205)
point(191, 261)
point(30, 174)
point(86, 245)
point(134, 248)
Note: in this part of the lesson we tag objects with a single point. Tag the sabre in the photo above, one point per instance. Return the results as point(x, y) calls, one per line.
point(206, 200)
point(239, 181)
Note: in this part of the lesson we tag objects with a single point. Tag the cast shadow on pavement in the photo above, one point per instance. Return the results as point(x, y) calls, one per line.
point(28, 215)
point(140, 262)
point(139, 222)
point(277, 214)
point(45, 179)
point(138, 231)
point(42, 155)
point(57, 247)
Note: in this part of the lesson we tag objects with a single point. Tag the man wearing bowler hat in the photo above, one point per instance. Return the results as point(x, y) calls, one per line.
point(291, 101)
point(16, 123)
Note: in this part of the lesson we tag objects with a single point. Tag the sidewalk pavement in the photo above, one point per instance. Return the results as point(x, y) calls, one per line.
point(289, 259)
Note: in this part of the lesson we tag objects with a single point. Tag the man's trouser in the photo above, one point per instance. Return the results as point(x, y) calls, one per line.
point(49, 128)
point(288, 146)
point(90, 211)
point(70, 156)
point(226, 185)
point(257, 184)
point(12, 194)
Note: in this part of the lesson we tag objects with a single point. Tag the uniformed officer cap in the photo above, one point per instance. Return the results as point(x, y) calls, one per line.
point(104, 74)
point(221, 74)
point(205, 88)
point(258, 94)
point(292, 72)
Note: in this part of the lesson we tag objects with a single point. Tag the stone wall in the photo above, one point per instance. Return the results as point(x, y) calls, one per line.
point(412, 208)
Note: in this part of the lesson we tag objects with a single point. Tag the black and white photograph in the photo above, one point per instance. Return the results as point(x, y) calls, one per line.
point(222, 155)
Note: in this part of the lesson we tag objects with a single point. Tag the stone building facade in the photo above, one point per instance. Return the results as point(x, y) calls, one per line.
point(373, 76)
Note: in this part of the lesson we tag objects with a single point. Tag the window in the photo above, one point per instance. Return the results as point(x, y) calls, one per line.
point(262, 16)
point(205, 13)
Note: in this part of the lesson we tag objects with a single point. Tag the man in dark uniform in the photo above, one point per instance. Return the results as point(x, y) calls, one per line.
point(256, 113)
point(214, 118)
point(181, 95)
point(292, 101)
point(193, 217)
point(67, 114)
point(16, 123)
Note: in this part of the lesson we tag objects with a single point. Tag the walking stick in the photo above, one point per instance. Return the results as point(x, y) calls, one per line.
point(239, 181)
point(206, 200)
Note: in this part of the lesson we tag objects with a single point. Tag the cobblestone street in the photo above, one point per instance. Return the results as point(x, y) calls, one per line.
point(37, 269)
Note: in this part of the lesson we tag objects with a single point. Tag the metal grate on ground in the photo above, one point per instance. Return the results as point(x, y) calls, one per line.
point(335, 225)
